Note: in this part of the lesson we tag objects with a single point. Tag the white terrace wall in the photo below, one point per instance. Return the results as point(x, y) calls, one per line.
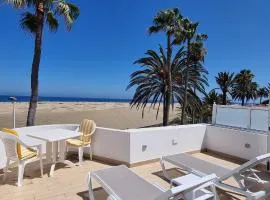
point(244, 143)
point(151, 143)
point(138, 145)
point(112, 144)
point(256, 118)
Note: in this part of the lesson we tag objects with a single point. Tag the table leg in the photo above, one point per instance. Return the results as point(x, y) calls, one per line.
point(62, 153)
point(48, 152)
point(62, 150)
point(54, 156)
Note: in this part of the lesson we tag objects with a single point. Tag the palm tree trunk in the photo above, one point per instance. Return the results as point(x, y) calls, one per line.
point(186, 86)
point(168, 95)
point(165, 121)
point(224, 98)
point(243, 101)
point(35, 65)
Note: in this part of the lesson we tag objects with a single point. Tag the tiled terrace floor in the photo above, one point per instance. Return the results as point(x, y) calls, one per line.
point(71, 183)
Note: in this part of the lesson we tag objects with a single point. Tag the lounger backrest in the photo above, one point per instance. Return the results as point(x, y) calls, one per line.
point(248, 165)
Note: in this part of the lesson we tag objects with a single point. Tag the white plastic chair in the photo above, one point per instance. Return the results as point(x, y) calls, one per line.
point(87, 129)
point(10, 142)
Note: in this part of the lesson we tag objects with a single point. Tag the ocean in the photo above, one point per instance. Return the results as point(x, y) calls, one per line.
point(4, 98)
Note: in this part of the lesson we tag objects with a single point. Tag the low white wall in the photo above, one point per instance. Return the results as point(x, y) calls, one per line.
point(138, 145)
point(151, 143)
point(112, 144)
point(245, 144)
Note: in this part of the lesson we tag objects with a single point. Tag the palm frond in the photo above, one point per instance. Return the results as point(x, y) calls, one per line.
point(17, 3)
point(52, 21)
point(29, 22)
point(69, 11)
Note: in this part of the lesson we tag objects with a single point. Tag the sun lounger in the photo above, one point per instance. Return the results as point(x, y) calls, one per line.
point(121, 183)
point(241, 174)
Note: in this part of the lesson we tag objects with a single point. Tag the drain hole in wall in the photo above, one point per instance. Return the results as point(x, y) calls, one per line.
point(144, 147)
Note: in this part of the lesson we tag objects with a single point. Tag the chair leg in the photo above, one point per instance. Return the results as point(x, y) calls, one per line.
point(5, 170)
point(80, 152)
point(21, 172)
point(90, 152)
point(41, 160)
point(41, 165)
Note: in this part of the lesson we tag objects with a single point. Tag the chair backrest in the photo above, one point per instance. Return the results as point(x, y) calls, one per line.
point(11, 143)
point(87, 128)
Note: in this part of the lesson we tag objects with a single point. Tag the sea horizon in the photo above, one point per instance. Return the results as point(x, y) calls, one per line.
point(4, 98)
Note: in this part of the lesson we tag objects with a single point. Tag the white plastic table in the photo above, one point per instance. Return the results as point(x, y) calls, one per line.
point(53, 138)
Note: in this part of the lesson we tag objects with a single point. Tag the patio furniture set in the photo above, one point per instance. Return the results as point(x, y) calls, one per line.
point(200, 181)
point(24, 150)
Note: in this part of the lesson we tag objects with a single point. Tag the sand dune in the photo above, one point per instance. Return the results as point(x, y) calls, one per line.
point(111, 115)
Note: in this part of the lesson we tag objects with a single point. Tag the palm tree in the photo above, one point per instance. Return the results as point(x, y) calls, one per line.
point(212, 97)
point(195, 53)
point(268, 88)
point(167, 21)
point(151, 81)
point(225, 82)
point(207, 105)
point(44, 12)
point(262, 93)
point(244, 87)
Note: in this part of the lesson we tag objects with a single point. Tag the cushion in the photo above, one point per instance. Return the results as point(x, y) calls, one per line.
point(75, 142)
point(27, 153)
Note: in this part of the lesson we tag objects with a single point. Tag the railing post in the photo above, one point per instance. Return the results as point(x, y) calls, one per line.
point(269, 113)
point(268, 143)
point(249, 121)
point(214, 113)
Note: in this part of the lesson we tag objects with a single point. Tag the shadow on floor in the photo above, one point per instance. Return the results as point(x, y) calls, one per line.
point(99, 194)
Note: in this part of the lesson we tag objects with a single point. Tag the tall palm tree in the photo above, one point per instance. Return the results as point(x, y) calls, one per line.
point(151, 81)
point(39, 13)
point(244, 87)
point(262, 93)
point(225, 82)
point(167, 21)
point(195, 53)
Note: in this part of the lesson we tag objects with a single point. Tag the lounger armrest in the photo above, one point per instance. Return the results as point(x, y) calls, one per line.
point(194, 184)
point(204, 181)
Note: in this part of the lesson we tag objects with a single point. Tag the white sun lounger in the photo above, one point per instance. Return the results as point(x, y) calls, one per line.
point(198, 167)
point(121, 183)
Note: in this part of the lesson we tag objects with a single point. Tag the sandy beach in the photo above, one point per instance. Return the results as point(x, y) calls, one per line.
point(110, 115)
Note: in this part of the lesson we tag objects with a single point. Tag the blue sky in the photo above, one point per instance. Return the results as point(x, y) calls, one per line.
point(96, 58)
